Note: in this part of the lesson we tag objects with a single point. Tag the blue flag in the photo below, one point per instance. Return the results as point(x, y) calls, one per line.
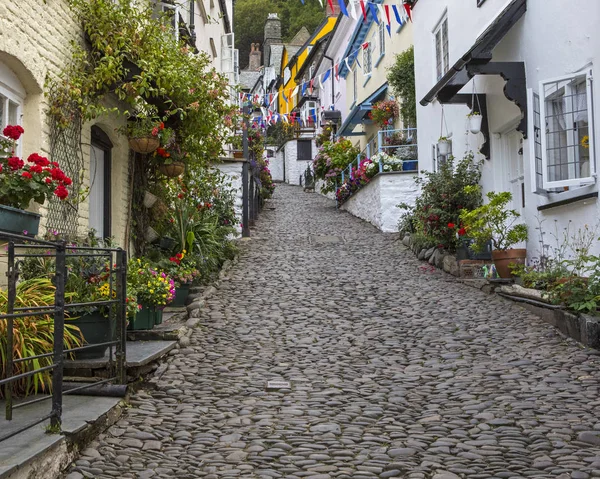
point(304, 87)
point(326, 76)
point(389, 29)
point(285, 98)
point(397, 14)
point(373, 12)
point(343, 8)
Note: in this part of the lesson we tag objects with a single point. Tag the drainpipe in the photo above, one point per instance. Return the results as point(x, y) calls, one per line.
point(332, 80)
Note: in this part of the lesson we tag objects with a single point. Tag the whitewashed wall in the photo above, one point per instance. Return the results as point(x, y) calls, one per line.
point(568, 46)
point(233, 169)
point(276, 164)
point(293, 167)
point(376, 202)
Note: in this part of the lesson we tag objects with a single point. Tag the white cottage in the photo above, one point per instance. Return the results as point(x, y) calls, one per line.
point(528, 67)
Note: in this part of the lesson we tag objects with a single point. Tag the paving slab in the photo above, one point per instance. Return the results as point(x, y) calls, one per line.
point(139, 353)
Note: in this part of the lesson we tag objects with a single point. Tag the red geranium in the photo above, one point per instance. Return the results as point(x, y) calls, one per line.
point(13, 132)
point(15, 163)
point(462, 232)
point(27, 175)
point(451, 225)
point(61, 192)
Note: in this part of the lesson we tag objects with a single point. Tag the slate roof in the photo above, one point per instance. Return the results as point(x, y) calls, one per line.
point(248, 79)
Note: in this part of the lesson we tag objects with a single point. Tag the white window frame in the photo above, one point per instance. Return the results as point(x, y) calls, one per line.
point(368, 59)
point(381, 37)
point(11, 91)
point(443, 44)
point(227, 53)
point(355, 84)
point(286, 75)
point(576, 182)
point(175, 8)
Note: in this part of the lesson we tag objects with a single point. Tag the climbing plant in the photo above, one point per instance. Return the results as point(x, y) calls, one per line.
point(132, 53)
point(401, 77)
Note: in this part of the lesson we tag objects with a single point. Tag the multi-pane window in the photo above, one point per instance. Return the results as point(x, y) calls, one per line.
point(566, 126)
point(11, 99)
point(440, 34)
point(381, 37)
point(172, 10)
point(367, 59)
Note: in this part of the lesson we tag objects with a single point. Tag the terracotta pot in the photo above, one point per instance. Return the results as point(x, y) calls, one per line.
point(172, 170)
point(144, 145)
point(238, 154)
point(503, 260)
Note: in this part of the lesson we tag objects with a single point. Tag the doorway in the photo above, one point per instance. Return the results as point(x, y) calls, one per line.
point(100, 174)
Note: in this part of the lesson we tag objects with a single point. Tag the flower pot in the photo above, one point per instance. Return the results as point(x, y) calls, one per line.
point(158, 317)
point(95, 329)
point(144, 319)
point(149, 199)
point(238, 154)
point(475, 123)
point(443, 147)
point(144, 145)
point(172, 170)
point(503, 260)
point(167, 243)
point(181, 295)
point(150, 235)
point(14, 220)
point(410, 165)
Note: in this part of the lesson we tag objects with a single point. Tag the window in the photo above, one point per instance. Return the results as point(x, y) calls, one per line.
point(213, 47)
point(355, 84)
point(12, 95)
point(561, 133)
point(172, 10)
point(227, 53)
point(304, 150)
point(286, 75)
point(437, 160)
point(381, 37)
point(440, 34)
point(367, 61)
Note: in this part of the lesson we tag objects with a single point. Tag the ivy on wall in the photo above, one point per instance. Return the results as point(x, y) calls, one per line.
point(401, 78)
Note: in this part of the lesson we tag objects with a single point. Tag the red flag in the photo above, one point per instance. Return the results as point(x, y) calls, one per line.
point(407, 8)
point(337, 74)
point(365, 45)
point(364, 10)
point(312, 80)
point(387, 13)
point(331, 6)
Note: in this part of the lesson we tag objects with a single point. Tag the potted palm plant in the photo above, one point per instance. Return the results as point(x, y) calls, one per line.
point(21, 182)
point(495, 222)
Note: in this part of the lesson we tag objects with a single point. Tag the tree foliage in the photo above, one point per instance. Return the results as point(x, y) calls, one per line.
point(401, 77)
point(250, 16)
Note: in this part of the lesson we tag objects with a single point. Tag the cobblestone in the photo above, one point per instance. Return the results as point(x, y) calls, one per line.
point(396, 371)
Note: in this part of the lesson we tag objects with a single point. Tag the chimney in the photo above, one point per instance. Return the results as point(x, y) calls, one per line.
point(254, 61)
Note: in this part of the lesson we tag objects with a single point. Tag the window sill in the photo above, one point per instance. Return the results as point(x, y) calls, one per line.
point(368, 77)
point(573, 196)
point(379, 60)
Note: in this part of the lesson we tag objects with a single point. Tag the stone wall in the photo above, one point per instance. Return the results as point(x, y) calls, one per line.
point(376, 202)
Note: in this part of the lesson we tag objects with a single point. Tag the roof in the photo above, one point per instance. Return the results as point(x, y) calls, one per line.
point(301, 37)
point(481, 51)
point(275, 57)
point(248, 79)
point(359, 112)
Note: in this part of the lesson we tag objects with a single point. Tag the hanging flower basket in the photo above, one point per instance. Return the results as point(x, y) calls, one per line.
point(172, 170)
point(14, 220)
point(475, 120)
point(443, 147)
point(144, 145)
point(150, 235)
point(149, 199)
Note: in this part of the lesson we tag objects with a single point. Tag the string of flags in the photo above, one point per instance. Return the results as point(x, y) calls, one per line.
point(380, 13)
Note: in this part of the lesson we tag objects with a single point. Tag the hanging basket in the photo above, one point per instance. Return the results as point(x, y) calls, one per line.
point(172, 170)
point(149, 199)
point(144, 145)
point(475, 123)
point(150, 234)
point(443, 147)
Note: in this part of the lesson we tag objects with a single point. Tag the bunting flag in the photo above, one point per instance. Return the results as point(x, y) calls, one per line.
point(353, 10)
point(365, 45)
point(326, 76)
point(387, 14)
point(389, 29)
point(295, 91)
point(373, 12)
point(407, 8)
point(364, 10)
point(312, 81)
point(343, 9)
point(321, 2)
point(381, 12)
point(337, 72)
point(304, 87)
point(331, 6)
point(397, 14)
point(347, 63)
point(285, 98)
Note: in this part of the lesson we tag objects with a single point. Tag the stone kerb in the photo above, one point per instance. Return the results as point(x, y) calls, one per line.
point(377, 201)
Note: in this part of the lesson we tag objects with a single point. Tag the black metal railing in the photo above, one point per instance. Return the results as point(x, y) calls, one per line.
point(19, 248)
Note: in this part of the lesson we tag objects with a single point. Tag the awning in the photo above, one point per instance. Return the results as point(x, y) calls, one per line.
point(480, 53)
point(359, 113)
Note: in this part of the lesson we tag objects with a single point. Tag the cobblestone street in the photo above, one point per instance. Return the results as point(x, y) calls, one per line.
point(395, 371)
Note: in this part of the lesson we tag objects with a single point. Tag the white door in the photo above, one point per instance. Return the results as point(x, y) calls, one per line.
point(515, 176)
point(97, 190)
